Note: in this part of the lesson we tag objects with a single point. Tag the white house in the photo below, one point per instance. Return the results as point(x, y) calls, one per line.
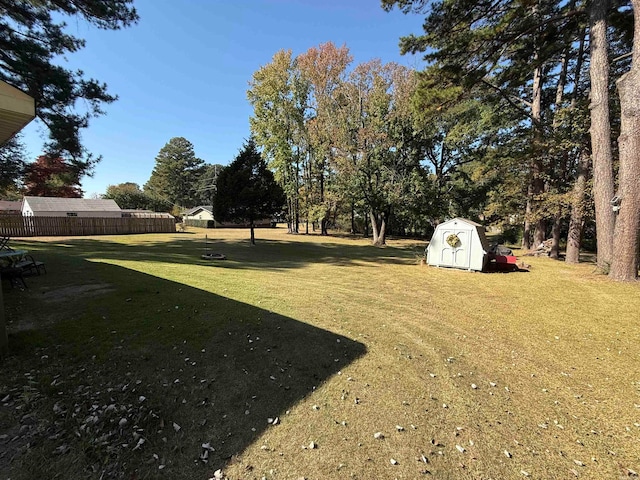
point(459, 243)
point(202, 212)
point(70, 207)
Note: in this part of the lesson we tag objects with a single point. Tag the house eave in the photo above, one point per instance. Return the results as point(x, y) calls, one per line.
point(17, 109)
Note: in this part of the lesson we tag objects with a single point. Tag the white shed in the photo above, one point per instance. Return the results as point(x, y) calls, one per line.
point(459, 243)
point(70, 207)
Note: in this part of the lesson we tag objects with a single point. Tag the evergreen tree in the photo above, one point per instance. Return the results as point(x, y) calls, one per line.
point(33, 39)
point(176, 174)
point(247, 190)
point(12, 165)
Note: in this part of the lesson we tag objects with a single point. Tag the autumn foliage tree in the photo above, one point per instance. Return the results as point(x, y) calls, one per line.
point(52, 177)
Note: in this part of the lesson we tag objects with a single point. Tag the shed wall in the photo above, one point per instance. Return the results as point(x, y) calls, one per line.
point(469, 254)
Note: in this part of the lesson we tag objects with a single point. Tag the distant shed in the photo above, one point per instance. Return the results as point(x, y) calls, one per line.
point(10, 208)
point(70, 207)
point(459, 243)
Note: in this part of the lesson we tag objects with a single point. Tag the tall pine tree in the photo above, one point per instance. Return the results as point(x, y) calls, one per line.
point(247, 190)
point(176, 173)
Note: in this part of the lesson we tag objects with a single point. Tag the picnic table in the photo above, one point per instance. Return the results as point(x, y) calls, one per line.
point(11, 258)
point(15, 263)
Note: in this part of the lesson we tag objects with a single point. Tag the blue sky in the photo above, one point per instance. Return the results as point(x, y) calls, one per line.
point(184, 69)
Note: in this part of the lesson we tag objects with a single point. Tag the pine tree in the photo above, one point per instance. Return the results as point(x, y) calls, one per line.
point(247, 190)
point(33, 39)
point(176, 174)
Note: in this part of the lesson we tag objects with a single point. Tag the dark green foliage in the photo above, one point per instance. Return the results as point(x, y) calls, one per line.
point(206, 185)
point(12, 165)
point(33, 39)
point(128, 195)
point(247, 190)
point(176, 174)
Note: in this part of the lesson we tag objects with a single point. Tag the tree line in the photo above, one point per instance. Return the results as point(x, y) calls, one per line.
point(515, 121)
point(526, 117)
point(555, 67)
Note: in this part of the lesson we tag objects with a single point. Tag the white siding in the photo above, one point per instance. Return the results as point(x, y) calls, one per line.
point(471, 253)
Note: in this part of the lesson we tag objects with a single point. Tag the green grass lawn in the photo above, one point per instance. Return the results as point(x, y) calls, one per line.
point(313, 357)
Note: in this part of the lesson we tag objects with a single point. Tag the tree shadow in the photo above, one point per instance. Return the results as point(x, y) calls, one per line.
point(130, 374)
point(267, 254)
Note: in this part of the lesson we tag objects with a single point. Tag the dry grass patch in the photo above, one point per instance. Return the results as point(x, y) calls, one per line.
point(374, 366)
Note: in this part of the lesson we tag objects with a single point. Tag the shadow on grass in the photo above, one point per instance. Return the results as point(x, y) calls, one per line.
point(267, 254)
point(128, 374)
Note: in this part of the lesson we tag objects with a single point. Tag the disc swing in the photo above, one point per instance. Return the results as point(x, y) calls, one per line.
point(211, 256)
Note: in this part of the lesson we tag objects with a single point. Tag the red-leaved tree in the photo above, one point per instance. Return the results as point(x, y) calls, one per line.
point(52, 177)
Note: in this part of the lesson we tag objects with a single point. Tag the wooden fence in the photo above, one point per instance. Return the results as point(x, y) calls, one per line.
point(19, 226)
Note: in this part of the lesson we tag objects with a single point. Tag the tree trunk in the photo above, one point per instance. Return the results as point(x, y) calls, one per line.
point(563, 158)
point(555, 236)
point(374, 227)
point(382, 234)
point(353, 219)
point(540, 233)
point(379, 228)
point(526, 234)
point(253, 237)
point(537, 176)
point(366, 230)
point(624, 265)
point(574, 237)
point(296, 201)
point(603, 186)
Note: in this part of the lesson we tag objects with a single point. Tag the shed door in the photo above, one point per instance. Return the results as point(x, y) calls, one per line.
point(460, 255)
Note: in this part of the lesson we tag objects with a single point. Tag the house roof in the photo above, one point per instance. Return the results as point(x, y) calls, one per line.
point(56, 204)
point(208, 208)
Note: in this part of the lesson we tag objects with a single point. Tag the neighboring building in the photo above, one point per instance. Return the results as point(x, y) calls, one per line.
point(459, 243)
point(202, 216)
point(70, 207)
point(10, 208)
point(202, 212)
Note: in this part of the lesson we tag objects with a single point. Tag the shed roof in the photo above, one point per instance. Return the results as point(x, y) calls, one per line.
point(57, 204)
point(465, 220)
point(10, 205)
